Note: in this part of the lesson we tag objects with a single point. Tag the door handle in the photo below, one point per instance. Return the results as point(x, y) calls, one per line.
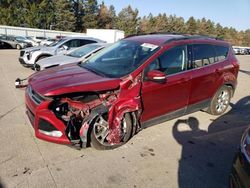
point(183, 80)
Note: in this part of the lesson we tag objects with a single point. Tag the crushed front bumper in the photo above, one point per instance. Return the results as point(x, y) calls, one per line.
point(46, 125)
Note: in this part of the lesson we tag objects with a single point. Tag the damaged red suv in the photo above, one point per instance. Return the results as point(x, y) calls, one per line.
point(137, 82)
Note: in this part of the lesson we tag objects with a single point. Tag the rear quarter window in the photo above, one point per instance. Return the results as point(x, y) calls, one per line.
point(221, 52)
point(84, 42)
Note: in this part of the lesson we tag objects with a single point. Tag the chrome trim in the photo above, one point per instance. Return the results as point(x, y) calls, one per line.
point(35, 97)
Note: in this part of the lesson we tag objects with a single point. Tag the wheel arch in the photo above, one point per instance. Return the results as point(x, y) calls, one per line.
point(42, 55)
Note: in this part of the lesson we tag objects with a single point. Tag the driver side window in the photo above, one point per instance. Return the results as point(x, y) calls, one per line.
point(170, 62)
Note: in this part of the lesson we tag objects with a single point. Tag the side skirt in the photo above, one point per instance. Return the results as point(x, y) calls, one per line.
point(180, 112)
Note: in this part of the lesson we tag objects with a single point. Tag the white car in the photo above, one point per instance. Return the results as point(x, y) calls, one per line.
point(38, 39)
point(78, 55)
point(47, 42)
point(29, 56)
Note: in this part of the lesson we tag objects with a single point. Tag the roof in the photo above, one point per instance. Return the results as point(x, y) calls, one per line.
point(160, 39)
point(85, 37)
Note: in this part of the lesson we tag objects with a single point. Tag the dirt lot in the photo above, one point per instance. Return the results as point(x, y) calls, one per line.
point(170, 154)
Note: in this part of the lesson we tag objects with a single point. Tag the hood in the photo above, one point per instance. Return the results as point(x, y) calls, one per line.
point(57, 60)
point(69, 79)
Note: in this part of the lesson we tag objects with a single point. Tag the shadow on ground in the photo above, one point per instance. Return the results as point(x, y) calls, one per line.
point(1, 184)
point(207, 156)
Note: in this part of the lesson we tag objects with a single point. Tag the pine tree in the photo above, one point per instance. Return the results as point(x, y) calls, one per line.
point(90, 14)
point(178, 24)
point(64, 15)
point(128, 20)
point(10, 10)
point(104, 17)
point(78, 8)
point(219, 31)
point(246, 40)
point(113, 16)
point(191, 26)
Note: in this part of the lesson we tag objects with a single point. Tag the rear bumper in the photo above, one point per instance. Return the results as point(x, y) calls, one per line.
point(45, 122)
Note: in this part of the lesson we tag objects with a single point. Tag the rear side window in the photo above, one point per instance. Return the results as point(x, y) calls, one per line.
point(73, 43)
point(203, 54)
point(221, 52)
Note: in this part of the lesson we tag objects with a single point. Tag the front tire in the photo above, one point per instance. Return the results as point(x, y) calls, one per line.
point(100, 132)
point(220, 101)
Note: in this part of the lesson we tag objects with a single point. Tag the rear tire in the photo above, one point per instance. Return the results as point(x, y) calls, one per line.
point(100, 130)
point(220, 101)
point(18, 47)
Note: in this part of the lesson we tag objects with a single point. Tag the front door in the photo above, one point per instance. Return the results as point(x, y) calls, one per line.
point(172, 96)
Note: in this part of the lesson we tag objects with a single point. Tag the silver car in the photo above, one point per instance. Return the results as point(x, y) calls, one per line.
point(77, 55)
point(14, 42)
point(29, 56)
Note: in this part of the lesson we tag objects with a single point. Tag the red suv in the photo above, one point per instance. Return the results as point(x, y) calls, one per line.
point(137, 82)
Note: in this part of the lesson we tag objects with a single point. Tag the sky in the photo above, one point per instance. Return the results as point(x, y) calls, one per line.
point(229, 13)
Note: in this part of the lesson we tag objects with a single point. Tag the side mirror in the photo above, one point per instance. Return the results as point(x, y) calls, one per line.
point(65, 47)
point(156, 76)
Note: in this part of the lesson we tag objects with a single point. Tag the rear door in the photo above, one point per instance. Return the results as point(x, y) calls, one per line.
point(206, 70)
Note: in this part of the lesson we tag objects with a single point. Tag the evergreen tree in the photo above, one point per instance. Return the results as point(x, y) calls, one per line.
point(127, 20)
point(90, 14)
point(104, 17)
point(64, 15)
point(191, 26)
point(113, 16)
point(246, 39)
point(78, 8)
point(219, 31)
point(178, 24)
point(10, 10)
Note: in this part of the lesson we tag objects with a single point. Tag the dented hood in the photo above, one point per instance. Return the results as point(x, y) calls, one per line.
point(69, 79)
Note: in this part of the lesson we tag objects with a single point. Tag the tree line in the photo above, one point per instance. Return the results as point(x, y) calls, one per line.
point(78, 15)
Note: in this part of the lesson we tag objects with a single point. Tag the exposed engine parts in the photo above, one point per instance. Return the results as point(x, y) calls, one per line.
point(81, 112)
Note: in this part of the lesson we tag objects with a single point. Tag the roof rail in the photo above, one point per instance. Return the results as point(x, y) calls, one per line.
point(185, 36)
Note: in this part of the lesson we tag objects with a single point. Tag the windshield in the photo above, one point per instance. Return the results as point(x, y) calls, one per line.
point(20, 38)
point(59, 42)
point(82, 51)
point(120, 59)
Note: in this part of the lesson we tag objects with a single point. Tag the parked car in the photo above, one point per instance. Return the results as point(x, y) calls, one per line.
point(48, 41)
point(243, 51)
point(240, 174)
point(14, 42)
point(30, 56)
point(236, 51)
point(77, 55)
point(4, 45)
point(38, 39)
point(26, 39)
point(135, 83)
